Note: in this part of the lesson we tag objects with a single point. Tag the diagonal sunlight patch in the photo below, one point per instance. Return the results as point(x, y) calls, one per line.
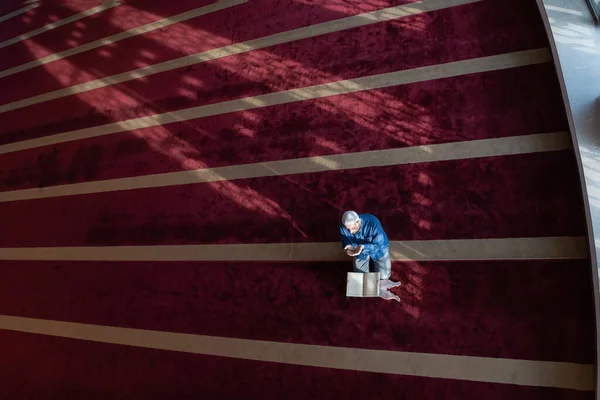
point(16, 13)
point(440, 71)
point(378, 158)
point(57, 24)
point(159, 24)
point(387, 14)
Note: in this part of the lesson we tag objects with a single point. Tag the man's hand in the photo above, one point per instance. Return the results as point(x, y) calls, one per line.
point(354, 251)
point(350, 250)
point(359, 250)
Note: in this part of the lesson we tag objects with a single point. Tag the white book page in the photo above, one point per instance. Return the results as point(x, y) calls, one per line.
point(354, 285)
point(371, 284)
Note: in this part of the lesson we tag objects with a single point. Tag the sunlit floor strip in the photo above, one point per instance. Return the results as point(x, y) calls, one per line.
point(374, 17)
point(440, 71)
point(65, 21)
point(563, 10)
point(378, 158)
point(221, 5)
point(412, 250)
point(479, 369)
point(16, 13)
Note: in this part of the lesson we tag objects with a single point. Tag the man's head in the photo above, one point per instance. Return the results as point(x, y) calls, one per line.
point(351, 221)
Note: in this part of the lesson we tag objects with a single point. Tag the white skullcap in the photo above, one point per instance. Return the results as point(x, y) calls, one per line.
point(350, 217)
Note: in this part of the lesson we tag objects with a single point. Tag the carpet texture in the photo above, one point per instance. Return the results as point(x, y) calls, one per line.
point(539, 310)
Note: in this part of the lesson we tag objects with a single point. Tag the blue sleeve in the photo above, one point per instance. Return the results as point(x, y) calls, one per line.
point(344, 237)
point(376, 238)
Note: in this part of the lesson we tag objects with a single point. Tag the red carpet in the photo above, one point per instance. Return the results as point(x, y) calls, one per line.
point(48, 12)
point(461, 201)
point(392, 46)
point(105, 371)
point(437, 112)
point(466, 308)
point(127, 16)
point(10, 6)
point(539, 310)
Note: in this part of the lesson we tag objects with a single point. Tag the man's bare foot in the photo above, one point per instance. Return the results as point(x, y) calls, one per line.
point(387, 295)
point(385, 286)
point(388, 284)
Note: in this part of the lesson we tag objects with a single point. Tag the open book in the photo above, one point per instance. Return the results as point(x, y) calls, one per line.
point(362, 285)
